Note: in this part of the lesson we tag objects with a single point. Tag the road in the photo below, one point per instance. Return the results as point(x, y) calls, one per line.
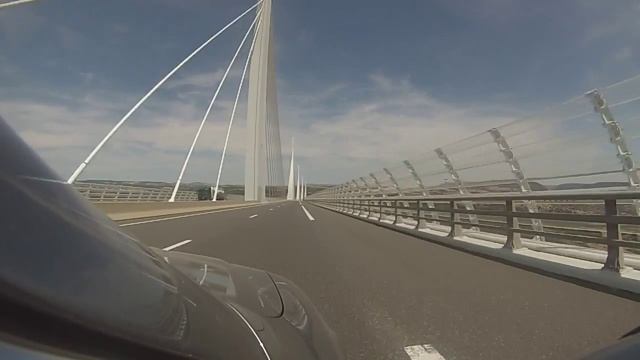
point(382, 291)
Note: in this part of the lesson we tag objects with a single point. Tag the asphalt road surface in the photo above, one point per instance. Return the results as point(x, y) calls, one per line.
point(383, 291)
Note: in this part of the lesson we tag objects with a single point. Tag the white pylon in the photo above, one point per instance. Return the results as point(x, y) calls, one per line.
point(302, 189)
point(263, 160)
point(291, 188)
point(298, 186)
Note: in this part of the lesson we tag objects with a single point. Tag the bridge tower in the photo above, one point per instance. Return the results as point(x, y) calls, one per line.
point(264, 175)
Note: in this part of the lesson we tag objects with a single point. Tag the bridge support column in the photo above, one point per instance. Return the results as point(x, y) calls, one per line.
point(616, 137)
point(459, 184)
point(348, 195)
point(369, 195)
point(263, 161)
point(518, 173)
point(340, 196)
point(382, 195)
point(358, 192)
point(424, 190)
point(377, 183)
point(398, 191)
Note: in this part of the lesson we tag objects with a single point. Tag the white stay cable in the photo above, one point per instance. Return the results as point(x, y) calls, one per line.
point(11, 3)
point(213, 100)
point(93, 153)
point(233, 112)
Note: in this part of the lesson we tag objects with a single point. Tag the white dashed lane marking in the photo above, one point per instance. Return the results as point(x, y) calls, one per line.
point(168, 248)
point(423, 352)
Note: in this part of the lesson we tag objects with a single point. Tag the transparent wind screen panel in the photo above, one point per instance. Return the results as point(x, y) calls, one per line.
point(574, 108)
point(384, 181)
point(468, 143)
point(495, 178)
point(431, 171)
point(567, 144)
point(406, 182)
point(481, 165)
point(479, 156)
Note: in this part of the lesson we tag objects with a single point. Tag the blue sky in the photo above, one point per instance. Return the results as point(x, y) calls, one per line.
point(360, 82)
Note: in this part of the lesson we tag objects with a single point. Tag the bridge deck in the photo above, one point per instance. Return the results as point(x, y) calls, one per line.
point(382, 290)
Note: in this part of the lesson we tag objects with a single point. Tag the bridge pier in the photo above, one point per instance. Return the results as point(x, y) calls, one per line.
point(263, 161)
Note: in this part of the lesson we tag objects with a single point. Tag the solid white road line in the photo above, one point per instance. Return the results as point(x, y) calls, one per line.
point(169, 248)
point(252, 216)
point(188, 215)
point(11, 3)
point(423, 352)
point(308, 213)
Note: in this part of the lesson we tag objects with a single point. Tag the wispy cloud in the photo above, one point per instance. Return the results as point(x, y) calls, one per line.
point(206, 80)
point(395, 120)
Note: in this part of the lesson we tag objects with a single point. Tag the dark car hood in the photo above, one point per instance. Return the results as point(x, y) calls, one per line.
point(250, 288)
point(64, 262)
point(62, 257)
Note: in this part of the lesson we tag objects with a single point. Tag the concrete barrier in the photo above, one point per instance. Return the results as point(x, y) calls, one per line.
point(119, 211)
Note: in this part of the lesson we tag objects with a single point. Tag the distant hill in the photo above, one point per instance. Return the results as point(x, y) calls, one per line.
point(603, 184)
point(192, 186)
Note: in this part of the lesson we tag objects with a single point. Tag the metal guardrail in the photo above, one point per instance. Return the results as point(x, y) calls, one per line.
point(561, 167)
point(512, 208)
point(96, 192)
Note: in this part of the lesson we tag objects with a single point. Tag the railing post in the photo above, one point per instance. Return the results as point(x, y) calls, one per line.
point(395, 211)
point(615, 253)
point(455, 228)
point(380, 204)
point(418, 215)
point(513, 238)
